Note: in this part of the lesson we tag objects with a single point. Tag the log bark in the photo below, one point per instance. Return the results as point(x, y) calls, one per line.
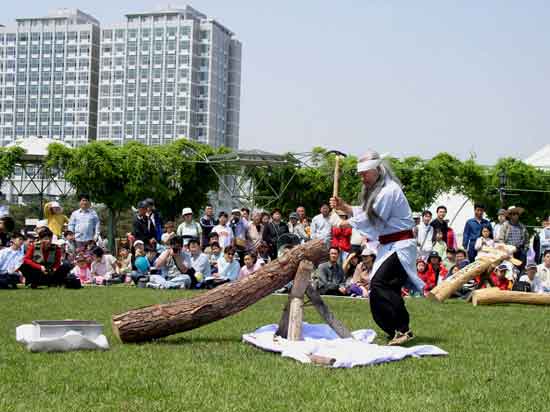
point(158, 321)
point(492, 296)
point(489, 258)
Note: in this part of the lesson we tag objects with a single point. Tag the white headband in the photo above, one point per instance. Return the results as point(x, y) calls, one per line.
point(365, 165)
point(369, 164)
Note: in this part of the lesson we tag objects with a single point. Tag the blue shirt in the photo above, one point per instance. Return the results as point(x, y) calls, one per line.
point(11, 260)
point(201, 264)
point(85, 224)
point(229, 270)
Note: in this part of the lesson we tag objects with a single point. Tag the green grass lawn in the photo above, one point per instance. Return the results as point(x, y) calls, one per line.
point(499, 361)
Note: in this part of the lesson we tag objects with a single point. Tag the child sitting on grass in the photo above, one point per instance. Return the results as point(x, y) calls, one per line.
point(82, 270)
point(124, 265)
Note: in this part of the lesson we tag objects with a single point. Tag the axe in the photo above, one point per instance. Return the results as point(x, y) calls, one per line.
point(334, 218)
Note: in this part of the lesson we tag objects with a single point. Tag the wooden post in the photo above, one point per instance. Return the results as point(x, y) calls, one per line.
point(326, 314)
point(296, 300)
point(162, 320)
point(491, 296)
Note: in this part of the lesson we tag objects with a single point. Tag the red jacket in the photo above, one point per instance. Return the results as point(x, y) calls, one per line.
point(451, 239)
point(27, 260)
point(429, 277)
point(341, 238)
point(502, 284)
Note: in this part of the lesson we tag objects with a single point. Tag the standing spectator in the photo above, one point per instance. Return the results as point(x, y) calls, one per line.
point(439, 223)
point(424, 235)
point(207, 222)
point(416, 219)
point(296, 228)
point(53, 213)
point(245, 213)
point(189, 227)
point(341, 238)
point(439, 244)
point(7, 224)
point(11, 259)
point(42, 262)
point(303, 219)
point(255, 231)
point(321, 226)
point(543, 271)
point(501, 218)
point(330, 275)
point(472, 230)
point(274, 231)
point(154, 216)
point(484, 240)
point(84, 223)
point(541, 241)
point(451, 237)
point(239, 226)
point(143, 227)
point(225, 234)
point(514, 233)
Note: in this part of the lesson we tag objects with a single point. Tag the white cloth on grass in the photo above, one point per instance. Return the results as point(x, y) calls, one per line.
point(29, 335)
point(321, 340)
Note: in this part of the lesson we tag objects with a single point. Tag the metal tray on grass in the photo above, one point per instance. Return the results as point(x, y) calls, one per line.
point(57, 328)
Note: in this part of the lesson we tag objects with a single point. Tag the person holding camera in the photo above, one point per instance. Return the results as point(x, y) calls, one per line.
point(176, 271)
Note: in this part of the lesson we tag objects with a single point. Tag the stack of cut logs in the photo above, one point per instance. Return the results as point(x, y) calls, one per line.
point(488, 259)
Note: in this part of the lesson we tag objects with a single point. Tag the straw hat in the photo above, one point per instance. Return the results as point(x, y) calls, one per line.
point(515, 209)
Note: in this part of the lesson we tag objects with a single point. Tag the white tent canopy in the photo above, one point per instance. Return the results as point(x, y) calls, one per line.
point(540, 158)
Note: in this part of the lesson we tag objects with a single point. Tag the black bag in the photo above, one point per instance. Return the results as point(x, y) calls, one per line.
point(521, 286)
point(72, 282)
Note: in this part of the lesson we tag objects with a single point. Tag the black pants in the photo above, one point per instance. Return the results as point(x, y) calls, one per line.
point(9, 280)
point(386, 303)
point(36, 277)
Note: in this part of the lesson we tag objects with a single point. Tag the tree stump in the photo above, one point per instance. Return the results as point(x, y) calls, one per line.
point(492, 296)
point(162, 320)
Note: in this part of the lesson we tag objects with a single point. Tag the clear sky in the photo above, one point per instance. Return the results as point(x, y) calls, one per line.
point(409, 78)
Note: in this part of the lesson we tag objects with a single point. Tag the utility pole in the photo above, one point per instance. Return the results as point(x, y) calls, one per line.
point(502, 178)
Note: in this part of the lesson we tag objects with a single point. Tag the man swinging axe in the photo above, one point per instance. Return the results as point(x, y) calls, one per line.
point(385, 215)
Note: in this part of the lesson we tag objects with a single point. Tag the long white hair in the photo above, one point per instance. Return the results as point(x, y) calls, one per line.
point(385, 173)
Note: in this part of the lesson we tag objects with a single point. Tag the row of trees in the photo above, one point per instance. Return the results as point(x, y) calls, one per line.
point(175, 175)
point(423, 181)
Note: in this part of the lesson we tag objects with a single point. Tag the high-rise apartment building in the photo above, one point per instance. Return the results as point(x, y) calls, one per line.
point(169, 74)
point(48, 77)
point(155, 78)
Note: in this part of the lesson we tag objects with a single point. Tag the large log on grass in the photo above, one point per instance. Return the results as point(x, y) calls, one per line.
point(492, 296)
point(162, 320)
point(487, 260)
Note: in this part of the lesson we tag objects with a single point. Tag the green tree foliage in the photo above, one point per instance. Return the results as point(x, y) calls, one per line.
point(9, 157)
point(120, 176)
point(423, 181)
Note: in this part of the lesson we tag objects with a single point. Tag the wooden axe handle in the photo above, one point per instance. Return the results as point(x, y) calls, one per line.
point(336, 187)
